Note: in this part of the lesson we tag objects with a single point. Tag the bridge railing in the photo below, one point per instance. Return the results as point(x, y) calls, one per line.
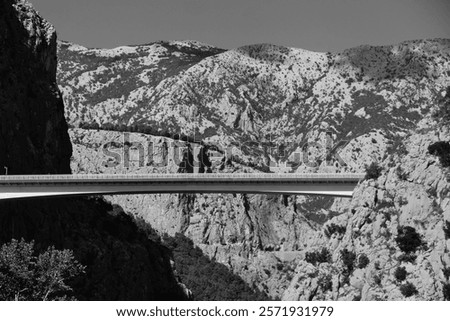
point(182, 177)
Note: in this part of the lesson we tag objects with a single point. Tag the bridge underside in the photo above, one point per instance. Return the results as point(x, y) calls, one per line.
point(54, 190)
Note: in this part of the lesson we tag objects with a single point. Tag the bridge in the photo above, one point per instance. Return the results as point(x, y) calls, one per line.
point(32, 186)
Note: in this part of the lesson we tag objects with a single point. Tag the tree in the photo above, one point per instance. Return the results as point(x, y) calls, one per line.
point(442, 114)
point(27, 276)
point(324, 256)
point(408, 240)
point(400, 274)
point(441, 150)
point(408, 289)
point(373, 171)
point(363, 261)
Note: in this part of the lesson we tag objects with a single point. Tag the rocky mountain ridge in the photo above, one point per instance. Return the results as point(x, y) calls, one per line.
point(258, 94)
point(281, 109)
point(271, 105)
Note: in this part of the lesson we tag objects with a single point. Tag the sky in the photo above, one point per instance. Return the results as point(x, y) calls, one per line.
point(317, 25)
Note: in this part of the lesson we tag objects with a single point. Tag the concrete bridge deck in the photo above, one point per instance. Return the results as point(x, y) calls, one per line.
point(29, 186)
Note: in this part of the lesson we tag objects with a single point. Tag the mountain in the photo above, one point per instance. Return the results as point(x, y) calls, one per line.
point(281, 109)
point(122, 263)
point(254, 94)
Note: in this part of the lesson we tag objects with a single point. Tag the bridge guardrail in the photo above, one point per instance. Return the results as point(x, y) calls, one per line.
point(179, 177)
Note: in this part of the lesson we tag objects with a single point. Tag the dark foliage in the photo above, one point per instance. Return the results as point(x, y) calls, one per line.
point(348, 259)
point(207, 279)
point(446, 291)
point(400, 274)
point(446, 229)
point(373, 171)
point(442, 114)
point(316, 257)
point(325, 283)
point(122, 263)
point(377, 279)
point(441, 150)
point(446, 272)
point(334, 228)
point(407, 257)
point(363, 261)
point(25, 275)
point(408, 240)
point(408, 289)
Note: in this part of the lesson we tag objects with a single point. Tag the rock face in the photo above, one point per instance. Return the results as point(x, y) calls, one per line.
point(122, 263)
point(33, 135)
point(268, 101)
point(272, 105)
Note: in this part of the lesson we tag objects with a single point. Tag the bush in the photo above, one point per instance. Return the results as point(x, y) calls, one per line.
point(26, 276)
point(348, 258)
point(400, 274)
point(408, 289)
point(441, 150)
point(334, 228)
point(377, 279)
point(325, 283)
point(363, 261)
point(373, 171)
point(324, 256)
point(446, 229)
point(446, 291)
point(407, 257)
point(443, 112)
point(408, 240)
point(446, 272)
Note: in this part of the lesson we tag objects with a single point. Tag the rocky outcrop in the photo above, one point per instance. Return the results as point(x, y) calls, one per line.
point(275, 104)
point(33, 137)
point(122, 263)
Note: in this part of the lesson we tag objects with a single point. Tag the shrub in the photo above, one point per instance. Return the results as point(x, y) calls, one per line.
point(408, 289)
point(348, 258)
point(443, 112)
point(26, 276)
point(446, 272)
point(325, 283)
point(373, 171)
point(377, 279)
point(446, 291)
point(363, 261)
point(324, 256)
point(446, 229)
point(408, 240)
point(407, 257)
point(334, 228)
point(400, 274)
point(441, 150)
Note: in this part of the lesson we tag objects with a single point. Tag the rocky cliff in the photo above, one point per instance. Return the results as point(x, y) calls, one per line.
point(281, 109)
point(122, 263)
point(33, 129)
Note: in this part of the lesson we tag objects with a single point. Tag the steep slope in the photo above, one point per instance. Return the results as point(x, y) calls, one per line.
point(265, 94)
point(269, 104)
point(33, 132)
point(122, 263)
